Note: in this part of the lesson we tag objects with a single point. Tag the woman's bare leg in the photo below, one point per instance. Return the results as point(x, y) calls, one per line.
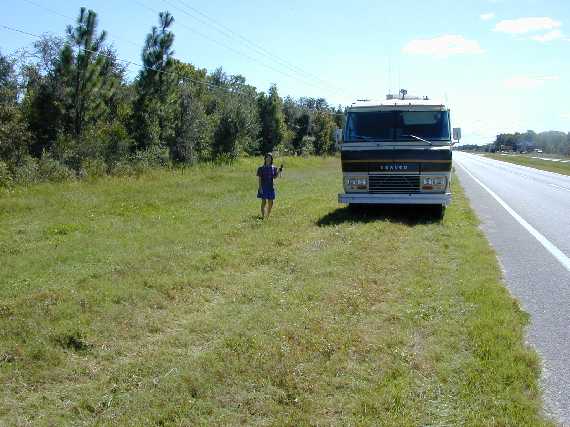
point(263, 208)
point(269, 207)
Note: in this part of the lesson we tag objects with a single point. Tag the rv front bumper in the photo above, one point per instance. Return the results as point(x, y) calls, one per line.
point(396, 199)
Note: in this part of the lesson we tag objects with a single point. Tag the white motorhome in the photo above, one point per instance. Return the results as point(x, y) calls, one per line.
point(398, 151)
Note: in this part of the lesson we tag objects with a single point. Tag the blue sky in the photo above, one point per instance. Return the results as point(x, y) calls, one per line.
point(503, 65)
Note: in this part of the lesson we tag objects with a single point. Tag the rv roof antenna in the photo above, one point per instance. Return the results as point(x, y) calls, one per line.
point(389, 74)
point(399, 77)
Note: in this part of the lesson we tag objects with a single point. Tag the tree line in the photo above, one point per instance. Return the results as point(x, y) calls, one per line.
point(67, 109)
point(550, 142)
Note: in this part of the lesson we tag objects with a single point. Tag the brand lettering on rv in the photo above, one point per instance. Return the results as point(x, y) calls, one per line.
point(393, 167)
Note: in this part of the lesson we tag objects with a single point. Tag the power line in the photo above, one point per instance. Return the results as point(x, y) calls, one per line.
point(225, 46)
point(231, 34)
point(72, 19)
point(55, 12)
point(228, 31)
point(225, 33)
point(154, 11)
point(127, 62)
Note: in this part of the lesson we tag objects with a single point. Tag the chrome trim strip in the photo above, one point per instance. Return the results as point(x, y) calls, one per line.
point(396, 199)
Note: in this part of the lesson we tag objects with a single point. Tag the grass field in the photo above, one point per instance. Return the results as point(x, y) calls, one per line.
point(164, 300)
point(546, 165)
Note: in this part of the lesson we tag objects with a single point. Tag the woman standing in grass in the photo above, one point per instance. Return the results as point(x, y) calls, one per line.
point(266, 192)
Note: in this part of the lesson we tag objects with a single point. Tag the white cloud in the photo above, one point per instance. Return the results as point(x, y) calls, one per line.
point(487, 16)
point(549, 36)
point(527, 25)
point(527, 82)
point(442, 46)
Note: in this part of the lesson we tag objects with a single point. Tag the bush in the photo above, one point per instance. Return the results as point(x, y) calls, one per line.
point(51, 170)
point(287, 147)
point(224, 159)
point(152, 157)
point(66, 151)
point(306, 146)
point(6, 179)
point(15, 137)
point(139, 168)
point(115, 141)
point(93, 168)
point(26, 172)
point(122, 169)
point(323, 132)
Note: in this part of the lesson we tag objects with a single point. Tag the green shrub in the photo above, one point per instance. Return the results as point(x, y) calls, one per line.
point(140, 167)
point(26, 171)
point(6, 179)
point(109, 141)
point(93, 168)
point(66, 151)
point(54, 171)
point(152, 157)
point(307, 146)
point(121, 169)
point(224, 159)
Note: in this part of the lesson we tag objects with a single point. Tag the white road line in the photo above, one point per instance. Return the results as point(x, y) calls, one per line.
point(554, 251)
point(558, 186)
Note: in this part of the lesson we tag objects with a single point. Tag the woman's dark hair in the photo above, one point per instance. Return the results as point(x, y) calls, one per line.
point(270, 155)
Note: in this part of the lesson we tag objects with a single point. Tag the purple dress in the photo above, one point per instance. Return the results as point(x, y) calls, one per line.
point(267, 174)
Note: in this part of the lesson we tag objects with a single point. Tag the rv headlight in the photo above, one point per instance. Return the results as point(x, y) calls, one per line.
point(357, 183)
point(434, 180)
point(434, 183)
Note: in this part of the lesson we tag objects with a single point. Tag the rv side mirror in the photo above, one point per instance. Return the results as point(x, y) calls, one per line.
point(456, 134)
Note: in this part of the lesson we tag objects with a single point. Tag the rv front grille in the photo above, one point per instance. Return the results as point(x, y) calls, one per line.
point(394, 184)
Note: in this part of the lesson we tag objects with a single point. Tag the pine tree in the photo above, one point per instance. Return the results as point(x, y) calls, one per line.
point(154, 108)
point(81, 69)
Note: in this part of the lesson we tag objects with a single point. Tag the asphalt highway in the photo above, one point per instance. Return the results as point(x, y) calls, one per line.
point(525, 214)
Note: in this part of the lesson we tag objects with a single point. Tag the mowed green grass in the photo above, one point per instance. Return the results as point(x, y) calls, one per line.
point(164, 300)
point(546, 165)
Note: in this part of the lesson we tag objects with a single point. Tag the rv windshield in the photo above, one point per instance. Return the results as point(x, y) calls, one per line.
point(397, 126)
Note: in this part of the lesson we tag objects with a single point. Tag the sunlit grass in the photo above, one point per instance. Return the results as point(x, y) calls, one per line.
point(164, 300)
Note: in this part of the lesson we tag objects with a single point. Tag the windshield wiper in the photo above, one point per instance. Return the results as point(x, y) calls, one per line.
point(418, 138)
